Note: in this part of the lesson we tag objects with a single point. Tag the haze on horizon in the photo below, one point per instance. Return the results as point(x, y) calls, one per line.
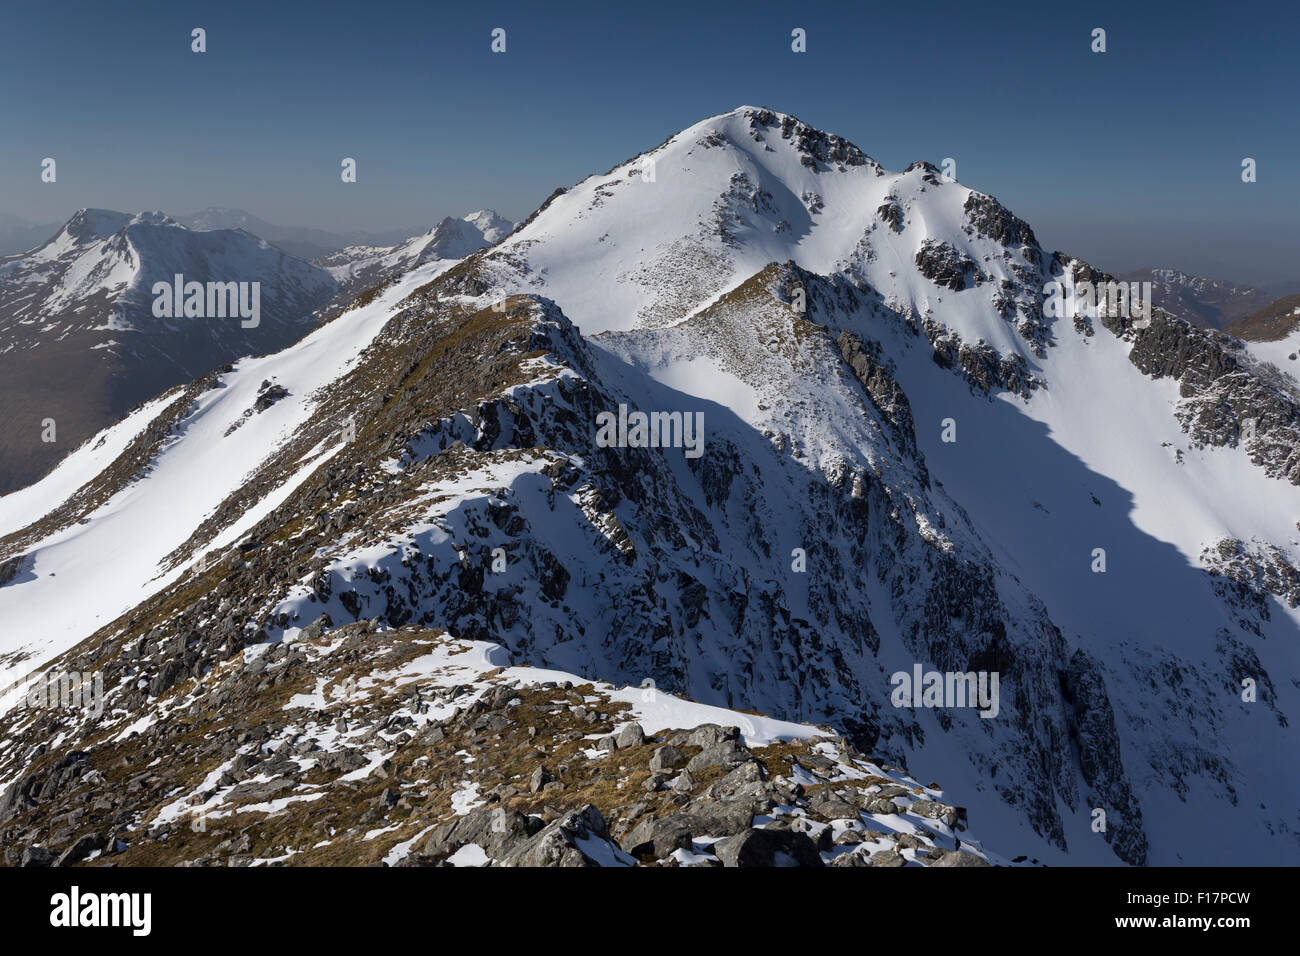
point(1129, 158)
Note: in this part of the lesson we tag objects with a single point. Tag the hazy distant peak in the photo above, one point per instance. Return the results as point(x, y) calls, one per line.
point(493, 227)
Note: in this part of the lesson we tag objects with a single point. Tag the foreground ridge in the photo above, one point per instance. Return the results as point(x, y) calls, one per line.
point(407, 747)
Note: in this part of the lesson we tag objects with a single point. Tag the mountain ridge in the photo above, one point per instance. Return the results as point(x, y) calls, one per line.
point(829, 319)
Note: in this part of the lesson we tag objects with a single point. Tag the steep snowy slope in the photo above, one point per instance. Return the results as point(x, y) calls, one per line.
point(1279, 352)
point(434, 460)
point(737, 192)
point(201, 444)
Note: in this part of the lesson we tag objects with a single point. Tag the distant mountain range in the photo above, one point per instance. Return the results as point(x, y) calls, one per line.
point(80, 343)
point(301, 241)
point(361, 266)
point(18, 235)
point(1210, 303)
point(1203, 301)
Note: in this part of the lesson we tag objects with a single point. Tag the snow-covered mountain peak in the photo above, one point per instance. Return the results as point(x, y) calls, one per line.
point(1177, 277)
point(452, 238)
point(88, 224)
point(678, 226)
point(814, 145)
point(101, 252)
point(154, 217)
point(491, 226)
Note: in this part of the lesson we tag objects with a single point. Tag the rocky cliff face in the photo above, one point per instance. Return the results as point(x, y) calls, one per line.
point(1227, 397)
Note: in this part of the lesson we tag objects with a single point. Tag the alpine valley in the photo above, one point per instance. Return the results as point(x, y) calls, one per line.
point(383, 596)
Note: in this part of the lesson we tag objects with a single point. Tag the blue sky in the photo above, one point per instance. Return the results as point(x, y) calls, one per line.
point(1129, 158)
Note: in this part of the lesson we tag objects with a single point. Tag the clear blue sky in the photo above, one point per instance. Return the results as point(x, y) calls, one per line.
point(1129, 158)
